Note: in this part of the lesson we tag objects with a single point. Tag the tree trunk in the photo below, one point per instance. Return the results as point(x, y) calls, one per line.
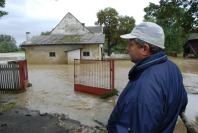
point(109, 45)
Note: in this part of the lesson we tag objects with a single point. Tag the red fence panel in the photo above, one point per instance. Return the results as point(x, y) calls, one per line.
point(94, 76)
point(13, 76)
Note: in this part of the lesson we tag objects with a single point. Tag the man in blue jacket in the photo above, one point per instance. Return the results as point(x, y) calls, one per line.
point(154, 96)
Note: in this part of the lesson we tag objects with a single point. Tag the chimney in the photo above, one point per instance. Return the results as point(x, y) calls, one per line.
point(27, 36)
point(83, 24)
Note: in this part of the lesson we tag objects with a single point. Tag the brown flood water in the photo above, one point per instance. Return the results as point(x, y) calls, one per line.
point(52, 91)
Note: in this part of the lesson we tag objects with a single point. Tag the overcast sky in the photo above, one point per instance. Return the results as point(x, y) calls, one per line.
point(36, 16)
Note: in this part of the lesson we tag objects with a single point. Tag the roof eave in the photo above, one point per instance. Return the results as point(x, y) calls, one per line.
point(61, 44)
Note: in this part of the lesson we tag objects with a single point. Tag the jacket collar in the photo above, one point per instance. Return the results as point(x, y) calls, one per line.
point(145, 63)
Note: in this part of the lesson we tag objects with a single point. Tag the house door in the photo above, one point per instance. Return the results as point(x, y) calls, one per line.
point(71, 55)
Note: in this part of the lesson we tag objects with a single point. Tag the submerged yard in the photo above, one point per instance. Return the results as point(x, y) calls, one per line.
point(52, 91)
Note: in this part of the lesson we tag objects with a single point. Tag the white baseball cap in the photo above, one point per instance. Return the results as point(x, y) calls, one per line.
point(148, 32)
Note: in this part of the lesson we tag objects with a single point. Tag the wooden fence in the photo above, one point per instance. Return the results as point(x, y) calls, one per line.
point(13, 76)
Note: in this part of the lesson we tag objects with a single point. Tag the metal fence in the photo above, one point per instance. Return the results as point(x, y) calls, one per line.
point(94, 76)
point(13, 76)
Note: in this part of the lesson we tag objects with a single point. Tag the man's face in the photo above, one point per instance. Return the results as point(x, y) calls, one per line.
point(134, 51)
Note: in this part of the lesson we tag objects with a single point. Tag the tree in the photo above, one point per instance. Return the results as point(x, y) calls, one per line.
point(177, 17)
point(190, 18)
point(7, 44)
point(45, 33)
point(114, 26)
point(125, 25)
point(109, 18)
point(2, 4)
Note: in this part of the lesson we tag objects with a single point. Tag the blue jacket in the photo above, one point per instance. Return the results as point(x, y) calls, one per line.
point(152, 99)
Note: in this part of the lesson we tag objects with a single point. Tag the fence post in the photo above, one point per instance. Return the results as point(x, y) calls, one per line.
point(74, 73)
point(113, 76)
point(23, 74)
point(26, 70)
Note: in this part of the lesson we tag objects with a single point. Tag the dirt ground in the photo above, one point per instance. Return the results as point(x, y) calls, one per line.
point(21, 120)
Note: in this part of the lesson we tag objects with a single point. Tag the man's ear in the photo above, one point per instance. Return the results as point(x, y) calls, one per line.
point(146, 51)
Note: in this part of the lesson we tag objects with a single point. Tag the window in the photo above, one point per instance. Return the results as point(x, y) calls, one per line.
point(52, 54)
point(86, 53)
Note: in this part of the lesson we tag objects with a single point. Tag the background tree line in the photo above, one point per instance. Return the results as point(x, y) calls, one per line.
point(114, 26)
point(178, 18)
point(7, 42)
point(2, 4)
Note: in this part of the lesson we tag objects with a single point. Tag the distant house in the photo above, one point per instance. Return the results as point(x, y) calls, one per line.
point(69, 40)
point(191, 46)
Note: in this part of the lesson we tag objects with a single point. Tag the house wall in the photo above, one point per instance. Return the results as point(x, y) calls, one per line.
point(71, 55)
point(40, 54)
point(95, 52)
